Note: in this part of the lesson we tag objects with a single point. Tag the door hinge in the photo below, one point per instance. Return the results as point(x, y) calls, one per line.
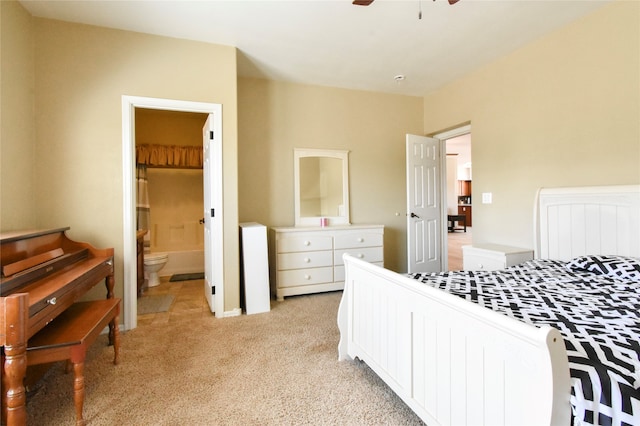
point(210, 134)
point(213, 290)
point(213, 212)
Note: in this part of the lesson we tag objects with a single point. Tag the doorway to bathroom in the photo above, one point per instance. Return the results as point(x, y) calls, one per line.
point(170, 187)
point(184, 195)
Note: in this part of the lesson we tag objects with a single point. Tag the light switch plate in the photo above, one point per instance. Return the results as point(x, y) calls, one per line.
point(487, 198)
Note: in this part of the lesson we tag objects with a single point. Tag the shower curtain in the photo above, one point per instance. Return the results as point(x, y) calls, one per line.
point(143, 210)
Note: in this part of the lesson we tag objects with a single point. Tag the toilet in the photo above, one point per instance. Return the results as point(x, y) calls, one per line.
point(153, 263)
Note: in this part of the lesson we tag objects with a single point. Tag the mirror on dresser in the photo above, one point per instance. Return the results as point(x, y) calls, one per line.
point(321, 187)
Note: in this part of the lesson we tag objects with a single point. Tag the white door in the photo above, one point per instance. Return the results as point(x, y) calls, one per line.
point(424, 205)
point(213, 252)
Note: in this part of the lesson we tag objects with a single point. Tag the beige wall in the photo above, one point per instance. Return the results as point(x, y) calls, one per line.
point(81, 73)
point(161, 127)
point(562, 111)
point(17, 136)
point(276, 117)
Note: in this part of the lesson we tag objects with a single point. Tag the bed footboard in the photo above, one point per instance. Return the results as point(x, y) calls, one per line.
point(451, 361)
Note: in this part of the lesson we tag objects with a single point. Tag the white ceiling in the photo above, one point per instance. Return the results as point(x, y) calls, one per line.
point(334, 43)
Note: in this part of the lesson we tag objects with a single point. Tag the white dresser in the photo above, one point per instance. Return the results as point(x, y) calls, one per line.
point(309, 260)
point(491, 257)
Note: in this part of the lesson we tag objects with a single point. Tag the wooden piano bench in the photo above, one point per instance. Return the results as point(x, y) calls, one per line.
point(69, 336)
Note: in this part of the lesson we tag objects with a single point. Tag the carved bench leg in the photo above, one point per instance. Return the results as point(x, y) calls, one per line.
point(78, 391)
point(78, 356)
point(114, 337)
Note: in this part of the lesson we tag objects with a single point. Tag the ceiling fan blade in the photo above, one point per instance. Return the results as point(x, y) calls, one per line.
point(362, 2)
point(453, 1)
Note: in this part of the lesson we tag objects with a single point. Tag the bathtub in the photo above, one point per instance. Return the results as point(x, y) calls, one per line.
point(183, 262)
point(183, 242)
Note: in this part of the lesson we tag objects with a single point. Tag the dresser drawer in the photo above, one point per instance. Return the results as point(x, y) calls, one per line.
point(338, 273)
point(306, 259)
point(313, 243)
point(491, 257)
point(302, 277)
point(368, 254)
point(483, 263)
point(352, 240)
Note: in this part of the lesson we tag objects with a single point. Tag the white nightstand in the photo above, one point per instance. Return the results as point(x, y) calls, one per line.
point(491, 257)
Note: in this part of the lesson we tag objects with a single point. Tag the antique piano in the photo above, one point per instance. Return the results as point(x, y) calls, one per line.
point(43, 273)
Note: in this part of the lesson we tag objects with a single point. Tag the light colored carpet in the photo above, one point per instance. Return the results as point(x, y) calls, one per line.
point(275, 368)
point(154, 303)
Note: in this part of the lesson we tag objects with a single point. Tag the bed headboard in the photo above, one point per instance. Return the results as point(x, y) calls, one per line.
point(576, 221)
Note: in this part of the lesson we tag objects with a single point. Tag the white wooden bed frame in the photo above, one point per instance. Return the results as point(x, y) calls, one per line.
point(454, 362)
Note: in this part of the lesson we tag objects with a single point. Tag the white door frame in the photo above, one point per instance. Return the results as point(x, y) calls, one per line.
point(443, 136)
point(129, 104)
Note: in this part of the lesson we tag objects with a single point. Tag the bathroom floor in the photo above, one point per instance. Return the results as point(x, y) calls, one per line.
point(188, 300)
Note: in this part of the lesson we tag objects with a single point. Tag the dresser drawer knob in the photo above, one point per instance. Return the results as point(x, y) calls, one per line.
point(307, 243)
point(360, 256)
point(52, 301)
point(307, 260)
point(361, 240)
point(307, 276)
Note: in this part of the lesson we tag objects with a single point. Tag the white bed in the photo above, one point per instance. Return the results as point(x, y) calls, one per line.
point(454, 362)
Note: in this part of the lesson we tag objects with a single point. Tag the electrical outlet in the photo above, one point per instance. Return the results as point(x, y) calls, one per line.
point(487, 198)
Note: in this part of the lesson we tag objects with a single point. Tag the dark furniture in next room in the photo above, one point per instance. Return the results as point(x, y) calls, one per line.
point(459, 218)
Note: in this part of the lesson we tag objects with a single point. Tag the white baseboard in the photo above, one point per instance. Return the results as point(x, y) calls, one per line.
point(233, 313)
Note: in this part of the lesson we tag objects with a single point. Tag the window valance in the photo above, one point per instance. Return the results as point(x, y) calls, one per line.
point(169, 156)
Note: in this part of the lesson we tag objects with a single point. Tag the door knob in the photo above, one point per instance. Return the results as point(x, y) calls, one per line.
point(201, 221)
point(415, 215)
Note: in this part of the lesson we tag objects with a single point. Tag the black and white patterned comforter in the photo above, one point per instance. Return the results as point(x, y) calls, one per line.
point(598, 315)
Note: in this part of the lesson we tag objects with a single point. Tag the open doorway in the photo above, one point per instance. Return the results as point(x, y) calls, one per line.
point(459, 198)
point(170, 205)
point(169, 147)
point(129, 106)
point(456, 141)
